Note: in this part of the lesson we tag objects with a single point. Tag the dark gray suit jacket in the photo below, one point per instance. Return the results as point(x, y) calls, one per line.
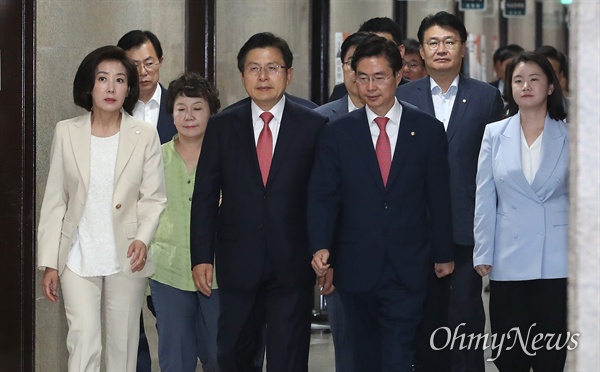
point(477, 104)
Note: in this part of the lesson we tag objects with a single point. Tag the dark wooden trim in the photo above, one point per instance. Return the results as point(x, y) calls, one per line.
point(200, 37)
point(539, 20)
point(400, 10)
point(319, 51)
point(17, 189)
point(502, 27)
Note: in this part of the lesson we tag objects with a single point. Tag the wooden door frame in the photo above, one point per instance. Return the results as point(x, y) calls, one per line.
point(17, 188)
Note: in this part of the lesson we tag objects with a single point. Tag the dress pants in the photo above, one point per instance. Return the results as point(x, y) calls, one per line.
point(116, 298)
point(339, 332)
point(521, 304)
point(286, 311)
point(466, 306)
point(187, 328)
point(383, 324)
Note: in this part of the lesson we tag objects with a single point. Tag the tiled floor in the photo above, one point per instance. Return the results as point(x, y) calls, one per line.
point(321, 358)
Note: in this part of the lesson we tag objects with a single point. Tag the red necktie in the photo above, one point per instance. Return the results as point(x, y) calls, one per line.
point(264, 146)
point(383, 149)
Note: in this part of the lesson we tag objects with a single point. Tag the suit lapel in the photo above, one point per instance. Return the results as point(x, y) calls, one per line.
point(128, 138)
point(552, 141)
point(461, 103)
point(287, 131)
point(406, 134)
point(424, 96)
point(362, 135)
point(80, 134)
point(245, 131)
point(511, 155)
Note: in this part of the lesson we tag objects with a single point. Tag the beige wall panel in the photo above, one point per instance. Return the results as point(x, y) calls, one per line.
point(238, 20)
point(347, 16)
point(66, 32)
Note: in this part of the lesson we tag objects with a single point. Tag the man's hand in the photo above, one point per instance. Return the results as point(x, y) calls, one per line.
point(483, 270)
point(50, 284)
point(443, 269)
point(326, 282)
point(319, 262)
point(203, 276)
point(138, 252)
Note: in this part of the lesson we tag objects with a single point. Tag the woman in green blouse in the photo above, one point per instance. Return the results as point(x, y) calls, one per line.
point(185, 318)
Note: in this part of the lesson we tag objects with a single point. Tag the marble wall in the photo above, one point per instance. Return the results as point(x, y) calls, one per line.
point(66, 32)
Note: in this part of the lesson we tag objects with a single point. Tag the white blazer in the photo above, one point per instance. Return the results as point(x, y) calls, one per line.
point(520, 229)
point(139, 193)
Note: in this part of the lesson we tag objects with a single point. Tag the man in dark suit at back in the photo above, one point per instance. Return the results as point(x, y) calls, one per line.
point(384, 27)
point(465, 106)
point(145, 50)
point(379, 205)
point(258, 156)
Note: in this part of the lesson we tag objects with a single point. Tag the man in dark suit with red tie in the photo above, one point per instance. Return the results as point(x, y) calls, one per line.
point(379, 206)
point(259, 156)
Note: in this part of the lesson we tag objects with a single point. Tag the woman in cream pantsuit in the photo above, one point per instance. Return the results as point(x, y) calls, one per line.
point(104, 196)
point(521, 218)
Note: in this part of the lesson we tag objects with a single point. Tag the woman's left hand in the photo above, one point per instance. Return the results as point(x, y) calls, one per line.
point(138, 253)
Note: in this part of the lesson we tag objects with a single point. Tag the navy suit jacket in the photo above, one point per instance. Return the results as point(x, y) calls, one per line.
point(365, 224)
point(165, 126)
point(477, 104)
point(334, 109)
point(255, 225)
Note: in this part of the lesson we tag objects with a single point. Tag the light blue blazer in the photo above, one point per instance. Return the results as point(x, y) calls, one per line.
point(521, 229)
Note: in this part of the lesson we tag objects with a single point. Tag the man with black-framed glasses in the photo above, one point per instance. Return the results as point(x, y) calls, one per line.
point(464, 106)
point(145, 50)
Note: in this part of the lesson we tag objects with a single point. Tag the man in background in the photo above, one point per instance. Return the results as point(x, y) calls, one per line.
point(144, 49)
point(465, 106)
point(381, 26)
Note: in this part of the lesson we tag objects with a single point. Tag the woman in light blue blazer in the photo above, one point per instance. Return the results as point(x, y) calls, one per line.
point(521, 219)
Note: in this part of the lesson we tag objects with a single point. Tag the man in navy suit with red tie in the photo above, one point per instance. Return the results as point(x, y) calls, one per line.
point(379, 207)
point(258, 155)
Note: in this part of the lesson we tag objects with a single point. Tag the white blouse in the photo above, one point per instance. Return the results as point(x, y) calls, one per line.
point(530, 156)
point(94, 251)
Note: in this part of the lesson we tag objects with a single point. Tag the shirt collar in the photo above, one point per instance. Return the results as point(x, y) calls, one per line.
point(436, 89)
point(393, 114)
point(276, 110)
point(351, 105)
point(156, 97)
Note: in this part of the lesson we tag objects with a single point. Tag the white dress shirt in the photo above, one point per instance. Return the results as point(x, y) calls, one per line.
point(351, 106)
point(274, 124)
point(443, 102)
point(392, 127)
point(530, 156)
point(149, 111)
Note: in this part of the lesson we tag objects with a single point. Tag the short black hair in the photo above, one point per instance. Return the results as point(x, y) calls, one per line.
point(135, 39)
point(265, 40)
point(376, 46)
point(442, 19)
point(192, 84)
point(506, 52)
point(411, 46)
point(383, 24)
point(551, 52)
point(85, 78)
point(555, 103)
point(353, 40)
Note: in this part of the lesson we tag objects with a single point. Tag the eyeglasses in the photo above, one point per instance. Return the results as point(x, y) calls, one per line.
point(363, 79)
point(411, 64)
point(449, 44)
point(347, 63)
point(150, 65)
point(270, 69)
